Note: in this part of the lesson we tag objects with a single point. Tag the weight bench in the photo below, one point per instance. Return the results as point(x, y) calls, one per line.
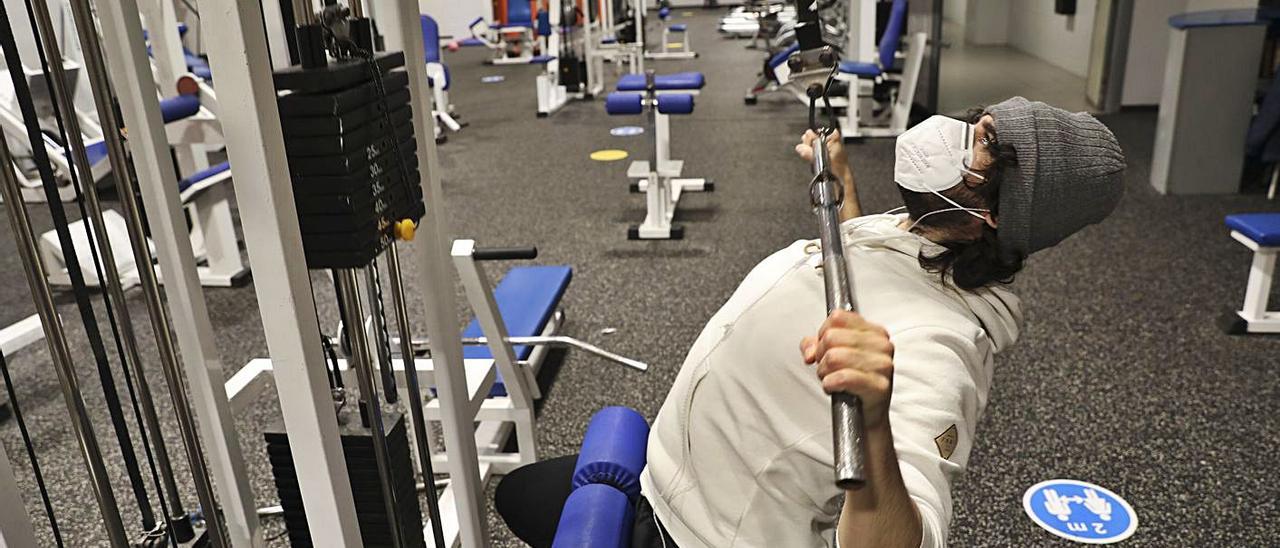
point(1259, 232)
point(659, 177)
point(599, 512)
point(527, 298)
point(664, 15)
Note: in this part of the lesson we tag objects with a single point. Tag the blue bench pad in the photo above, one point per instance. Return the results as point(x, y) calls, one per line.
point(1262, 228)
point(542, 59)
point(203, 174)
point(527, 297)
point(96, 152)
point(858, 68)
point(679, 27)
point(677, 81)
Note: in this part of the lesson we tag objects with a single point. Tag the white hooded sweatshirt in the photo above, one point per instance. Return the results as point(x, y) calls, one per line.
point(741, 451)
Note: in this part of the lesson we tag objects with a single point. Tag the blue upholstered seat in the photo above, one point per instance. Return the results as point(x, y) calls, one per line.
point(527, 297)
point(1262, 228)
point(679, 27)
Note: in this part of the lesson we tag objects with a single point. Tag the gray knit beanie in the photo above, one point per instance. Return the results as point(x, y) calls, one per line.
point(1068, 174)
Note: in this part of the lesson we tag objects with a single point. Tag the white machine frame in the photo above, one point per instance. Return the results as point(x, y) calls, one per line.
point(1257, 291)
point(860, 119)
point(598, 52)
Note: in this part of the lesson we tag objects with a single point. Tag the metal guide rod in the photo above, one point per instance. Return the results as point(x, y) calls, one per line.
point(115, 289)
point(424, 345)
point(415, 393)
point(60, 353)
point(75, 142)
point(362, 361)
point(95, 66)
point(827, 196)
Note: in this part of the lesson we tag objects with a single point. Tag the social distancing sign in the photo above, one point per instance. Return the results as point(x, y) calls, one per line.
point(1080, 511)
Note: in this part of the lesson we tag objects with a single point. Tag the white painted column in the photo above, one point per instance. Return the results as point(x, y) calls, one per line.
point(431, 266)
point(255, 146)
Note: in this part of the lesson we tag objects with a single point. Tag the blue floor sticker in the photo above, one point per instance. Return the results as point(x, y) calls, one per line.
point(493, 79)
point(1080, 511)
point(626, 131)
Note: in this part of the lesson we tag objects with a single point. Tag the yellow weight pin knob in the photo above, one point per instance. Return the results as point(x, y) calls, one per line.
point(405, 229)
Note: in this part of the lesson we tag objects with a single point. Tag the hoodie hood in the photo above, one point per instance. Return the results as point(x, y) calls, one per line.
point(995, 306)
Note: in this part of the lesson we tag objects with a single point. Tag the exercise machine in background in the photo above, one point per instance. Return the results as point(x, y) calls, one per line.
point(564, 60)
point(668, 49)
point(512, 38)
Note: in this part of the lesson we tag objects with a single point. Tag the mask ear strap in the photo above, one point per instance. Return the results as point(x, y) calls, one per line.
point(964, 209)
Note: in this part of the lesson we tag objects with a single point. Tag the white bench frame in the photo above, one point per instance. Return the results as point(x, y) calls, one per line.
point(1261, 273)
point(664, 186)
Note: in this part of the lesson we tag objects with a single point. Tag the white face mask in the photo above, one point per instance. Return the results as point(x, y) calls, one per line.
point(934, 156)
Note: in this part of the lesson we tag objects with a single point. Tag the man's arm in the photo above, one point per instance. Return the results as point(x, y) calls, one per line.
point(856, 356)
point(839, 166)
point(881, 513)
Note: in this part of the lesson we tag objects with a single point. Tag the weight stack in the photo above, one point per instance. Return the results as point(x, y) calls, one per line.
point(353, 162)
point(362, 467)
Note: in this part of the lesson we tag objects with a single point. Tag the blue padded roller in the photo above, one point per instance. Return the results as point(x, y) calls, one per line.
point(179, 107)
point(664, 13)
point(681, 103)
point(595, 516)
point(613, 450)
point(1263, 228)
point(666, 82)
point(781, 57)
point(203, 174)
point(624, 103)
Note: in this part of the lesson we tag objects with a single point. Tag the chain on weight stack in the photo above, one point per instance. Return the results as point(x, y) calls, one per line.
point(348, 133)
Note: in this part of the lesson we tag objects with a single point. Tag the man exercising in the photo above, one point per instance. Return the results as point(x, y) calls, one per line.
point(741, 452)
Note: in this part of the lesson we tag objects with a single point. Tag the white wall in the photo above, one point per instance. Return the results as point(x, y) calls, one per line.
point(454, 15)
point(1148, 47)
point(1149, 43)
point(1062, 40)
point(954, 10)
point(987, 22)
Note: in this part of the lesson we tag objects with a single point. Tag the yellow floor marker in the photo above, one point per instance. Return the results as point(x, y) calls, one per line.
point(675, 45)
point(609, 155)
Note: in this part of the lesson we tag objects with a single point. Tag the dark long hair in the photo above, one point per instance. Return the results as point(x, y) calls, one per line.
point(975, 263)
